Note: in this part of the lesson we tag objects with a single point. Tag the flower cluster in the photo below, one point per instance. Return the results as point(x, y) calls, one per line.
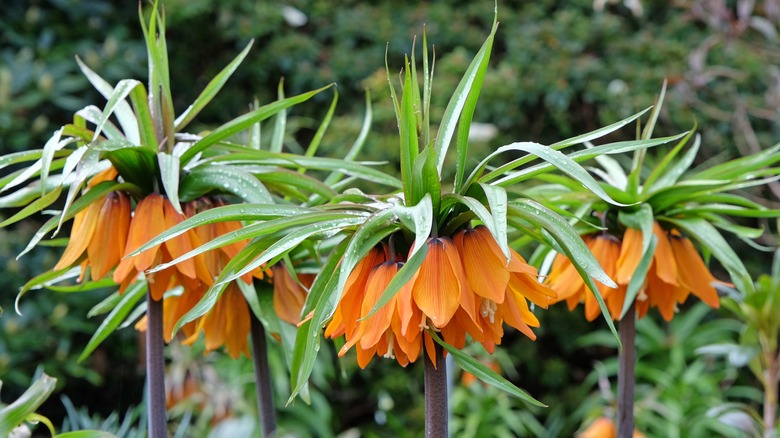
point(677, 270)
point(465, 286)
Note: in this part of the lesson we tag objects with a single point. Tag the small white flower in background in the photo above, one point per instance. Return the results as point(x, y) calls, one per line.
point(635, 6)
point(293, 16)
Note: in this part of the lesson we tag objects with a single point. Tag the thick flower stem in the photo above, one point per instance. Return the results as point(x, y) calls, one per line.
point(265, 399)
point(436, 396)
point(626, 368)
point(155, 369)
point(770, 395)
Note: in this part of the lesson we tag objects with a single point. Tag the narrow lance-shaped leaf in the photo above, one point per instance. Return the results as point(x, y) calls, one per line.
point(47, 155)
point(483, 372)
point(584, 138)
point(243, 122)
point(169, 174)
point(225, 213)
point(211, 90)
point(359, 141)
point(228, 179)
point(471, 80)
point(259, 229)
point(578, 156)
point(122, 89)
point(562, 162)
point(277, 138)
point(131, 297)
point(34, 207)
point(668, 173)
point(317, 139)
point(408, 131)
point(123, 111)
point(497, 201)
point(307, 340)
point(15, 413)
point(292, 240)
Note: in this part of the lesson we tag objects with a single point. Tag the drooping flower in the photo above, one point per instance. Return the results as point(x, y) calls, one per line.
point(228, 322)
point(99, 234)
point(676, 271)
point(464, 287)
point(502, 288)
point(603, 427)
point(289, 295)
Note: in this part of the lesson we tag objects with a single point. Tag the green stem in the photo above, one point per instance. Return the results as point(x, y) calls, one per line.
point(626, 379)
point(436, 395)
point(265, 399)
point(155, 369)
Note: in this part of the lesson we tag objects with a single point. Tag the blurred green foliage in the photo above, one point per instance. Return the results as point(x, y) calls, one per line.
point(558, 68)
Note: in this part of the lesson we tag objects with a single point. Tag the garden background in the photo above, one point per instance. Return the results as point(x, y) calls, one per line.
point(558, 69)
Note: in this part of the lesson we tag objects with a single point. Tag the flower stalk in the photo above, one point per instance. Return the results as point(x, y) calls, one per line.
point(155, 369)
point(626, 374)
point(770, 395)
point(436, 395)
point(265, 400)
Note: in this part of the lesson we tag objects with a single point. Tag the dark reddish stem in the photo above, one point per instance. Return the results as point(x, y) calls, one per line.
point(155, 369)
point(265, 399)
point(436, 395)
point(626, 370)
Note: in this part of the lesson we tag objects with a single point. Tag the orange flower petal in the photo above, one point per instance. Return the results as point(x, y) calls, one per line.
point(373, 328)
point(630, 255)
point(84, 224)
point(108, 242)
point(695, 275)
point(665, 266)
point(486, 273)
point(436, 289)
point(148, 222)
point(181, 244)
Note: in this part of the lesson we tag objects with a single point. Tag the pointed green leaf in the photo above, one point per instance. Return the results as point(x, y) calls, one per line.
point(408, 131)
point(243, 122)
point(211, 90)
point(562, 162)
point(226, 213)
point(497, 201)
point(472, 80)
point(277, 138)
point(120, 92)
point(307, 341)
point(169, 174)
point(34, 207)
point(15, 413)
point(483, 372)
point(132, 295)
point(224, 179)
point(122, 110)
